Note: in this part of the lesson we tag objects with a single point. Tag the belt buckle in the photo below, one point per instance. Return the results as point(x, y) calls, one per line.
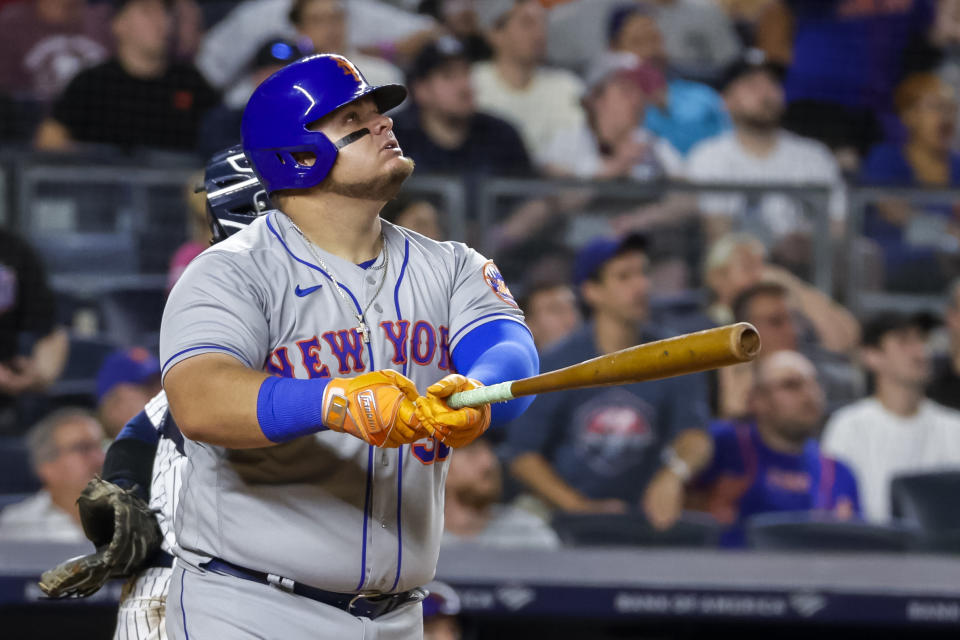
point(353, 600)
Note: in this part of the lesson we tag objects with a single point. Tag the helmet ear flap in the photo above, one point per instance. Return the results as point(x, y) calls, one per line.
point(282, 162)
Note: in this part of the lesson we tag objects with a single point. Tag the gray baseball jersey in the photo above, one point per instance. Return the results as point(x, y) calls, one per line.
point(326, 510)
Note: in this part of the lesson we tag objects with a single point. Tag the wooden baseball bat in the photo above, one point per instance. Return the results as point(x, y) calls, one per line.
point(687, 353)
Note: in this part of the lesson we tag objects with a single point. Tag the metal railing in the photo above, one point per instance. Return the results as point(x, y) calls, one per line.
point(856, 297)
point(49, 202)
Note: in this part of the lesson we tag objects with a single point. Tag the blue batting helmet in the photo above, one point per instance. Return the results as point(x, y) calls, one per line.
point(277, 118)
point(235, 196)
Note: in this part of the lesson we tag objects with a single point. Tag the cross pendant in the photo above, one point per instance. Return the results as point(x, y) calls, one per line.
point(363, 329)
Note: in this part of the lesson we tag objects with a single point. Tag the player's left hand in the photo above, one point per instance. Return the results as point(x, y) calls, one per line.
point(123, 529)
point(453, 427)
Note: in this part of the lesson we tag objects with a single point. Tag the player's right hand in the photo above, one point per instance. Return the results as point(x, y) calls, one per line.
point(377, 407)
point(453, 427)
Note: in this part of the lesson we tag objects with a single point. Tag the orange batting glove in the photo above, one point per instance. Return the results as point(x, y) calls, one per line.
point(453, 427)
point(376, 407)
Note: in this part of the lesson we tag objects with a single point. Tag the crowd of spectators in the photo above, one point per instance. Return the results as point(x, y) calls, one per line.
point(648, 91)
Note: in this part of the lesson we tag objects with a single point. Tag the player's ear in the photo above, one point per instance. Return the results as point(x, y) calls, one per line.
point(306, 158)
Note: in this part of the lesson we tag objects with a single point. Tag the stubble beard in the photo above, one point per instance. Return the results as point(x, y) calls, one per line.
point(381, 188)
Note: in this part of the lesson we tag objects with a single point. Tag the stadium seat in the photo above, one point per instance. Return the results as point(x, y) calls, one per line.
point(633, 530)
point(79, 378)
point(16, 475)
point(131, 316)
point(928, 503)
point(810, 532)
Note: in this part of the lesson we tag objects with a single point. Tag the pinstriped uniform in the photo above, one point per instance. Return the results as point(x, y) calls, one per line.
point(144, 596)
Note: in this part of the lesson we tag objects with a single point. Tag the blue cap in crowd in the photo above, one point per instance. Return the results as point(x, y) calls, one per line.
point(596, 253)
point(276, 52)
point(131, 366)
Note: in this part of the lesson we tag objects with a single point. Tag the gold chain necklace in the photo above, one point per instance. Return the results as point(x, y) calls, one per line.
point(362, 327)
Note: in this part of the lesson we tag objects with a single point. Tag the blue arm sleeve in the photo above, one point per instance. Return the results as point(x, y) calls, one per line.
point(498, 351)
point(140, 428)
point(289, 408)
point(129, 460)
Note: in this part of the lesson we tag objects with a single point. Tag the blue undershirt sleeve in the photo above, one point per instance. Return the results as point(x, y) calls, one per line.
point(498, 351)
point(141, 428)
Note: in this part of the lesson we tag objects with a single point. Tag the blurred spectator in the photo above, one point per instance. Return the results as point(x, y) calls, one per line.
point(699, 38)
point(322, 28)
point(443, 131)
point(612, 141)
point(945, 36)
point(440, 610)
point(769, 463)
point(919, 242)
point(944, 384)
point(188, 29)
point(537, 100)
point(46, 42)
point(738, 261)
point(66, 451)
point(767, 307)
point(472, 513)
point(370, 24)
point(550, 310)
point(137, 98)
point(459, 18)
point(927, 106)
point(682, 111)
point(199, 225)
point(593, 450)
point(897, 430)
point(221, 125)
point(847, 57)
point(125, 383)
point(33, 348)
point(758, 151)
point(416, 214)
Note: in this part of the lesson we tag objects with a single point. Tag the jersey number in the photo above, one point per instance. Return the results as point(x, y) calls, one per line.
point(430, 451)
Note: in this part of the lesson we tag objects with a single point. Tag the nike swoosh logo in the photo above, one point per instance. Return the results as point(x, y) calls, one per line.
point(305, 292)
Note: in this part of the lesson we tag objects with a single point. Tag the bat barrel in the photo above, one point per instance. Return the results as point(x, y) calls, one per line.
point(689, 353)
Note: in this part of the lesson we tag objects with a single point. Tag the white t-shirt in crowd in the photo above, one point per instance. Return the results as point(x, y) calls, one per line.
point(510, 528)
point(549, 104)
point(229, 46)
point(37, 519)
point(576, 152)
point(879, 445)
point(794, 160)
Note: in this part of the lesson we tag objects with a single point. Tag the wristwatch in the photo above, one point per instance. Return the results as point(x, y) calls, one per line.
point(672, 461)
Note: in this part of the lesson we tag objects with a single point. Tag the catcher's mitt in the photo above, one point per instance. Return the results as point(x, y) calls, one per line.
point(124, 531)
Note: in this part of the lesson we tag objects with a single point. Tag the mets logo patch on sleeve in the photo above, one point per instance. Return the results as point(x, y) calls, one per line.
point(495, 281)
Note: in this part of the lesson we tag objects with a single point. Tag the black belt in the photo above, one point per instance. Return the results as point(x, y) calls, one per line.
point(161, 559)
point(358, 604)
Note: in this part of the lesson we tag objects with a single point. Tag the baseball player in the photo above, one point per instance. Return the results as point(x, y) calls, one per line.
point(294, 355)
point(148, 454)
